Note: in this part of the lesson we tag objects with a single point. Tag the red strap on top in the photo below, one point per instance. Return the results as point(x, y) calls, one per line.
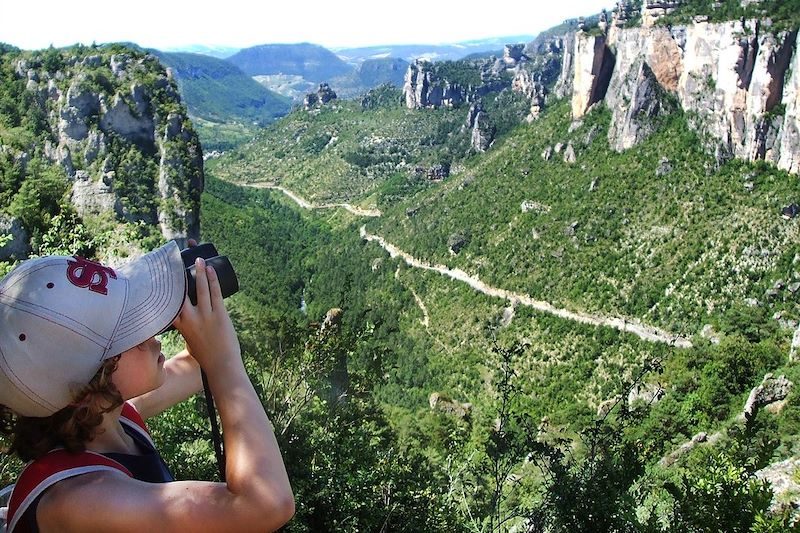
point(51, 468)
point(130, 412)
point(60, 464)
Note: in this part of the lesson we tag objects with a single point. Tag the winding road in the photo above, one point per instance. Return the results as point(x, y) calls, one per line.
point(635, 327)
point(305, 204)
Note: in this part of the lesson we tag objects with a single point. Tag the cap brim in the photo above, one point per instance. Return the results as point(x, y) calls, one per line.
point(156, 291)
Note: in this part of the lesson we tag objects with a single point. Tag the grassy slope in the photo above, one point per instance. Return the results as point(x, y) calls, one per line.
point(338, 151)
point(216, 90)
point(677, 250)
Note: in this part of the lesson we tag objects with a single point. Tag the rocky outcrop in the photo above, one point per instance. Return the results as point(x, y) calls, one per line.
point(323, 95)
point(733, 78)
point(738, 81)
point(134, 124)
point(531, 86)
point(332, 320)
point(513, 54)
point(624, 12)
point(771, 391)
point(482, 132)
point(457, 241)
point(472, 114)
point(122, 136)
point(80, 104)
point(653, 10)
point(16, 247)
point(770, 395)
point(95, 196)
point(422, 88)
point(435, 172)
point(789, 147)
point(443, 404)
point(426, 85)
point(782, 478)
point(794, 348)
point(635, 99)
point(338, 377)
point(566, 78)
point(594, 64)
point(682, 450)
point(645, 393)
point(178, 167)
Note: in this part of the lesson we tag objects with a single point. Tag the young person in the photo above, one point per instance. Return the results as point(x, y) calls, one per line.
point(80, 363)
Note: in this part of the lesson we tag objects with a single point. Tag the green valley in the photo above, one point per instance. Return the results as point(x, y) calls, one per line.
point(555, 291)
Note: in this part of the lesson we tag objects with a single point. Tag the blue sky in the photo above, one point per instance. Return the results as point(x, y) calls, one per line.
point(167, 24)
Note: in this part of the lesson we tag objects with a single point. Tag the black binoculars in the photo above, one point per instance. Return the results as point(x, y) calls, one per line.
point(228, 281)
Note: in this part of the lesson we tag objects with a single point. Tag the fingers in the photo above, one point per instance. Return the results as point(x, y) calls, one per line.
point(191, 243)
point(214, 287)
point(209, 302)
point(209, 291)
point(201, 285)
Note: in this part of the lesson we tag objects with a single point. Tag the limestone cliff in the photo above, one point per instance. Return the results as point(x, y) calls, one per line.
point(450, 84)
point(423, 87)
point(594, 63)
point(733, 78)
point(119, 131)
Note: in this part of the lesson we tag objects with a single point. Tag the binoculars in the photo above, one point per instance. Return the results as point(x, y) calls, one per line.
point(228, 281)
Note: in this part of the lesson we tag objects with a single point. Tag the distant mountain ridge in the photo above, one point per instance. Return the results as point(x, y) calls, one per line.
point(292, 70)
point(370, 74)
point(218, 91)
point(357, 54)
point(433, 52)
point(313, 62)
point(220, 52)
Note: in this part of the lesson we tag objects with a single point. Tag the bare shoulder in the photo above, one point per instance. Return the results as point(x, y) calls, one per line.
point(112, 501)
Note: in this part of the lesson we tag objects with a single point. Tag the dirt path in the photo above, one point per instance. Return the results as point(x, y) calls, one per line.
point(643, 331)
point(305, 204)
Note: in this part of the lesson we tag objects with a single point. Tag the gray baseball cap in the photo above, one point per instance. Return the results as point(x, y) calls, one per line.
point(63, 316)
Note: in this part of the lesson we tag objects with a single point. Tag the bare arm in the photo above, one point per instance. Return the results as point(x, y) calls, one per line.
point(257, 495)
point(112, 502)
point(182, 381)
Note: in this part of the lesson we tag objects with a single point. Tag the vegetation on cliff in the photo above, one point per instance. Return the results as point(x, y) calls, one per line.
point(96, 149)
point(406, 400)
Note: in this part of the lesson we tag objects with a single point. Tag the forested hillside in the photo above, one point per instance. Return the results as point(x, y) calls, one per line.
point(519, 294)
point(537, 419)
point(221, 98)
point(97, 154)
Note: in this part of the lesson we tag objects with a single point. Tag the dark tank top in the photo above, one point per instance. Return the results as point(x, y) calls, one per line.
point(149, 467)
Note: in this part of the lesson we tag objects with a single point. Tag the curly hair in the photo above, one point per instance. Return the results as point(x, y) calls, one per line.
point(71, 427)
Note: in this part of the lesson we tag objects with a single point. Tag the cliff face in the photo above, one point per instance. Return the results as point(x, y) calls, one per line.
point(731, 77)
point(119, 131)
point(592, 71)
point(423, 88)
point(429, 85)
point(789, 153)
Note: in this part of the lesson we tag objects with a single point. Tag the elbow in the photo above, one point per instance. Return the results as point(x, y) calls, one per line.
point(287, 509)
point(280, 510)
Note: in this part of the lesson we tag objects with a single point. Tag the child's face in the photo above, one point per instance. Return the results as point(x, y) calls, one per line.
point(140, 369)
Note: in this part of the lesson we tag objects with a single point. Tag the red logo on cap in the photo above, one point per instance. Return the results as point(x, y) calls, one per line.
point(84, 273)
